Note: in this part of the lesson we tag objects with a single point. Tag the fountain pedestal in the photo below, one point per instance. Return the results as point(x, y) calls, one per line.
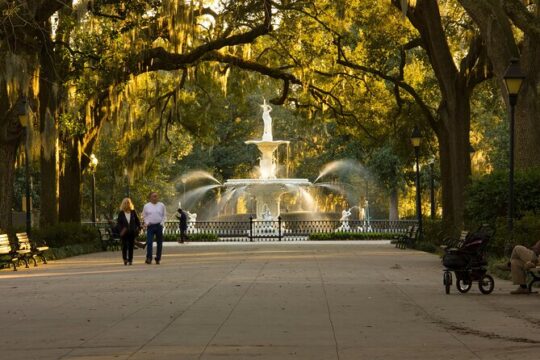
point(267, 189)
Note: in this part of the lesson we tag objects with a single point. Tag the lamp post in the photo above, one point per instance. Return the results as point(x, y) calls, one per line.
point(92, 166)
point(432, 187)
point(126, 174)
point(416, 138)
point(22, 112)
point(513, 78)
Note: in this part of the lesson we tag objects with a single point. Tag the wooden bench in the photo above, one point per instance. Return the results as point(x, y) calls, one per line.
point(7, 255)
point(108, 240)
point(28, 250)
point(407, 239)
point(399, 238)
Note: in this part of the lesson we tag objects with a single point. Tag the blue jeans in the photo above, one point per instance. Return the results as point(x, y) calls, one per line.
point(151, 230)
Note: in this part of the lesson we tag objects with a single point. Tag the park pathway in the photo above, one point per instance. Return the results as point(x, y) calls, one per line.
point(260, 301)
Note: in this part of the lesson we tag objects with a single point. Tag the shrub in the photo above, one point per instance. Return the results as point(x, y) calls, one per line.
point(487, 198)
point(203, 237)
point(72, 250)
point(434, 231)
point(426, 246)
point(191, 237)
point(65, 234)
point(526, 232)
point(343, 235)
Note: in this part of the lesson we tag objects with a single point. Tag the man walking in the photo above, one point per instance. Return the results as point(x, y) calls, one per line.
point(154, 215)
point(182, 224)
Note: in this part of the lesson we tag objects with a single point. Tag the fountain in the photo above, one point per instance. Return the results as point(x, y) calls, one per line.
point(268, 188)
point(268, 191)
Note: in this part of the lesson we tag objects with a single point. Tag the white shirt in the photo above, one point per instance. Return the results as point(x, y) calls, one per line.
point(128, 216)
point(154, 213)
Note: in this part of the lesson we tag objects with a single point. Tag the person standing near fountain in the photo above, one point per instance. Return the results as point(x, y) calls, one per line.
point(267, 133)
point(182, 224)
point(154, 214)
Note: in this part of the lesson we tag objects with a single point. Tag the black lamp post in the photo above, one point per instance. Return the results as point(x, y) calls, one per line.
point(92, 166)
point(416, 138)
point(432, 187)
point(22, 112)
point(513, 78)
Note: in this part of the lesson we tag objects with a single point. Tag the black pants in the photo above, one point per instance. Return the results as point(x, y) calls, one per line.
point(183, 236)
point(128, 242)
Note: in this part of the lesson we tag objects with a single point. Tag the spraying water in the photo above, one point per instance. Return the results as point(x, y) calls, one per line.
point(342, 166)
point(192, 196)
point(198, 175)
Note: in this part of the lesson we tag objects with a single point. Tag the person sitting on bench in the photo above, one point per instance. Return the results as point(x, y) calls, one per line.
point(521, 260)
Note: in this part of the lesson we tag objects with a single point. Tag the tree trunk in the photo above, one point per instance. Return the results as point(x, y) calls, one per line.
point(11, 135)
point(453, 124)
point(527, 131)
point(496, 28)
point(455, 161)
point(70, 182)
point(48, 161)
point(393, 204)
point(8, 154)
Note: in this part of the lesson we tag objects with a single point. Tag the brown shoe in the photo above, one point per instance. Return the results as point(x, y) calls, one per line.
point(520, 291)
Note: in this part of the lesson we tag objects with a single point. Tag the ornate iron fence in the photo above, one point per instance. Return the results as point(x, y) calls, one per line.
point(278, 230)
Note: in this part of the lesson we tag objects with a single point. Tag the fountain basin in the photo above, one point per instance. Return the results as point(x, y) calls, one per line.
point(267, 192)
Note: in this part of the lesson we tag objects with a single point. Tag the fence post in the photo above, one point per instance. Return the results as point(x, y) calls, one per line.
point(279, 227)
point(251, 228)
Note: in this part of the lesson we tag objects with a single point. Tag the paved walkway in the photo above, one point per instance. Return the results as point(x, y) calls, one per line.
point(260, 301)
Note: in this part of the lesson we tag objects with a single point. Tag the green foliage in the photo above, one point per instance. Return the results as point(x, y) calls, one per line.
point(67, 234)
point(351, 236)
point(434, 231)
point(426, 246)
point(487, 197)
point(72, 250)
point(191, 238)
point(202, 237)
point(387, 167)
point(490, 127)
point(19, 187)
point(526, 232)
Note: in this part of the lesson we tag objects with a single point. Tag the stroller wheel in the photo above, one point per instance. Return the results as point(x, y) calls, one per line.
point(463, 286)
point(447, 281)
point(486, 284)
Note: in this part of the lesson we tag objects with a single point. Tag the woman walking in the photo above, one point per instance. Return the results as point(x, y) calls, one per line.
point(129, 226)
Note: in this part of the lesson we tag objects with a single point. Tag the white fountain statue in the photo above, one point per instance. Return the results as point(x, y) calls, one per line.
point(267, 189)
point(267, 132)
point(192, 220)
point(267, 215)
point(345, 215)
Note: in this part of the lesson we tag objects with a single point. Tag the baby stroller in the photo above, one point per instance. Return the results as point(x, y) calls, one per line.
point(468, 263)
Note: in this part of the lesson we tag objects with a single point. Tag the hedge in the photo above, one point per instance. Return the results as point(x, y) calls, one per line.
point(343, 235)
point(487, 197)
point(66, 234)
point(191, 238)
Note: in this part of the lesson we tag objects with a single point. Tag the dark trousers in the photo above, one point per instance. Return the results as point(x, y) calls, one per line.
point(128, 242)
point(183, 236)
point(151, 231)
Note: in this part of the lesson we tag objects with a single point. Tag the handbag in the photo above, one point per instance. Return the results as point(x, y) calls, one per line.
point(123, 231)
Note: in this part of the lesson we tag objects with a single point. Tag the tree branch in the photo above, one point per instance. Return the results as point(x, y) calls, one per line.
point(522, 18)
point(160, 59)
point(342, 60)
